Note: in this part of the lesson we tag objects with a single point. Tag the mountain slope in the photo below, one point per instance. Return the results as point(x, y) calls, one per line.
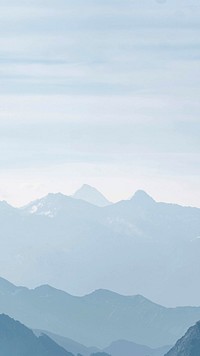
point(18, 340)
point(189, 344)
point(99, 318)
point(91, 195)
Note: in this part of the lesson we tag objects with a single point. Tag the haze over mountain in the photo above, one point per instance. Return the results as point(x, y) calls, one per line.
point(117, 348)
point(69, 344)
point(105, 92)
point(189, 344)
point(18, 340)
point(91, 195)
point(127, 348)
point(97, 319)
point(130, 247)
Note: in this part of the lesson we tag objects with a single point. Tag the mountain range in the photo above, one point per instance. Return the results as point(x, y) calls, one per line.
point(18, 340)
point(134, 245)
point(97, 319)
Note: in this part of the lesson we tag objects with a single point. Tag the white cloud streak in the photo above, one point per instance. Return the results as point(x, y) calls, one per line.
point(107, 85)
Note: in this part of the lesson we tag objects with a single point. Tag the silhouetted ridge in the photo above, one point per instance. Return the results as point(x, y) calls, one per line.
point(46, 290)
point(105, 294)
point(17, 340)
point(127, 348)
point(6, 286)
point(142, 197)
point(132, 318)
point(91, 195)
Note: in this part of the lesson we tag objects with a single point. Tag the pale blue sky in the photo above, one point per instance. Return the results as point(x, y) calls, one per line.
point(101, 92)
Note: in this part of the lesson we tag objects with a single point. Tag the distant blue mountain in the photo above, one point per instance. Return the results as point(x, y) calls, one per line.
point(117, 348)
point(91, 195)
point(127, 348)
point(97, 319)
point(18, 340)
point(69, 344)
point(60, 240)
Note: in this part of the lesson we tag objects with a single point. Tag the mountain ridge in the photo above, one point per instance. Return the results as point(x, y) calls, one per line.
point(144, 235)
point(138, 195)
point(135, 319)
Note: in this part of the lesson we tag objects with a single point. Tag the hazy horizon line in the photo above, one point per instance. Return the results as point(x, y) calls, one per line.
point(42, 196)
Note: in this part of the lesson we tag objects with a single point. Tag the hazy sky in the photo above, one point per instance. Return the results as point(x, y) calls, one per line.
point(104, 92)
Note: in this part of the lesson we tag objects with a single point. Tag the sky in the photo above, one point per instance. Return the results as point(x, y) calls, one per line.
point(103, 92)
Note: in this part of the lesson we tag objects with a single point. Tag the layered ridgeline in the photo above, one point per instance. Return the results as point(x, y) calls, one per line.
point(97, 319)
point(127, 348)
point(189, 344)
point(132, 247)
point(18, 340)
point(117, 348)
